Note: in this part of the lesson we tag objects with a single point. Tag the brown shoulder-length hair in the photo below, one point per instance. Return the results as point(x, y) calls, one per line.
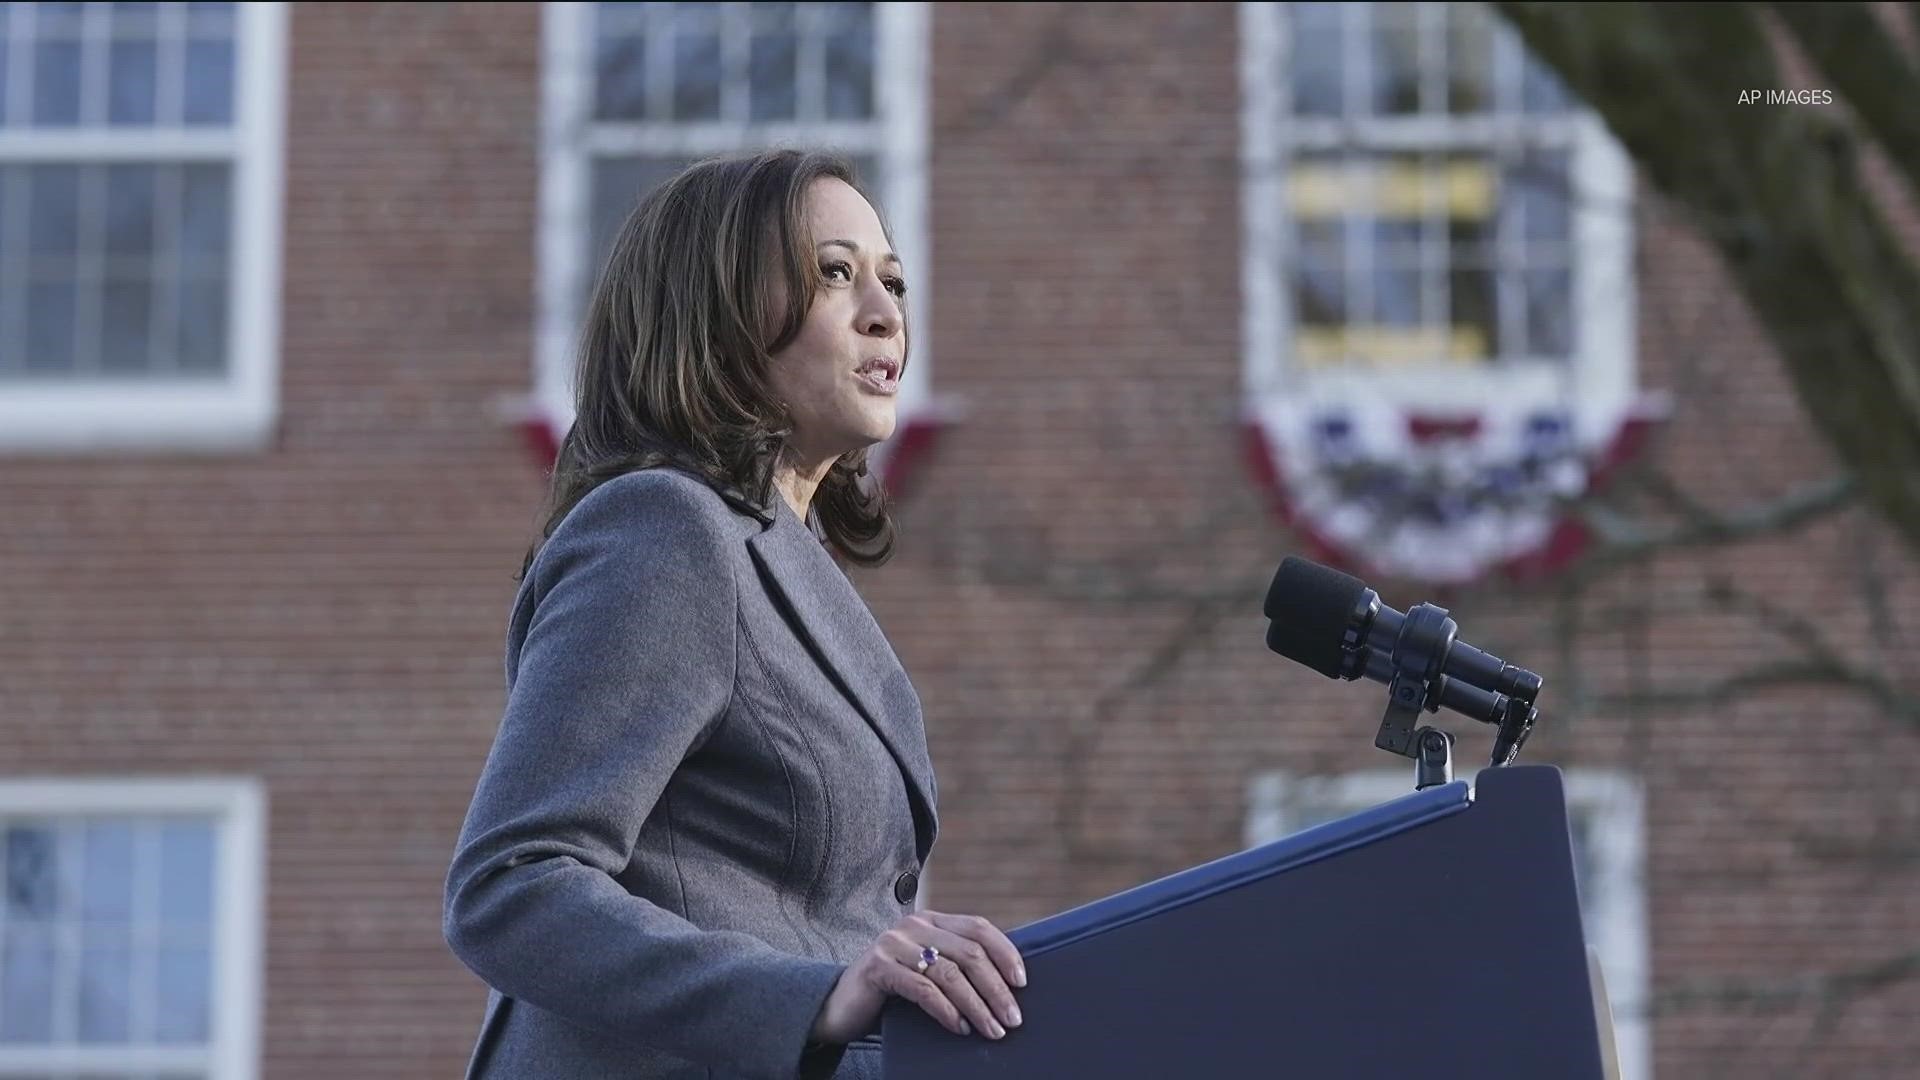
point(710, 275)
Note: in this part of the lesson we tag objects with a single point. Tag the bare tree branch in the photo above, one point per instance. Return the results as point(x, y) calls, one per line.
point(1785, 673)
point(1789, 993)
point(1778, 194)
point(1625, 540)
point(1853, 49)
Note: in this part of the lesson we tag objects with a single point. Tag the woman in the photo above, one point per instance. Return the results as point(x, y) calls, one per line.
point(694, 848)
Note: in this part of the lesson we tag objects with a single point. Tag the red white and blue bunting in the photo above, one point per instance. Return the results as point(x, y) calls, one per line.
point(1446, 499)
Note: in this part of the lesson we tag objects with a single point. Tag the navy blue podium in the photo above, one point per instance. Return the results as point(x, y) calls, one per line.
point(1437, 935)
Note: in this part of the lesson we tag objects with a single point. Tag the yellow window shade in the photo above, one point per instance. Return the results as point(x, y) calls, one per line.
point(1392, 189)
point(1389, 345)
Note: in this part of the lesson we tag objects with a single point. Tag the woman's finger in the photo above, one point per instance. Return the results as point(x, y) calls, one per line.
point(953, 981)
point(972, 958)
point(1005, 955)
point(902, 981)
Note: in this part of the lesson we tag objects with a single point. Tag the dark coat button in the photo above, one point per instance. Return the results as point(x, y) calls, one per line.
point(906, 886)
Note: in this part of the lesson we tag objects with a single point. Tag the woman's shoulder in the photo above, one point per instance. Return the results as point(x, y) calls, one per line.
point(644, 516)
point(659, 488)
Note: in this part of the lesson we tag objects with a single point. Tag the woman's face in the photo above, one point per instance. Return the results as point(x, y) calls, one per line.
point(839, 375)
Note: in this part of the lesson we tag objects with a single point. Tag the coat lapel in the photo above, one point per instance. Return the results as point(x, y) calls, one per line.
point(836, 623)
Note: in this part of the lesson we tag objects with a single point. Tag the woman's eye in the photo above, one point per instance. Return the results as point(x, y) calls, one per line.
point(837, 268)
point(897, 287)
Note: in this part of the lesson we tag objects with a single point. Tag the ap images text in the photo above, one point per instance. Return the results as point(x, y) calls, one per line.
point(1786, 97)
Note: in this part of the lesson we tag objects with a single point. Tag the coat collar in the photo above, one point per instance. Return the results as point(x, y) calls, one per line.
point(839, 627)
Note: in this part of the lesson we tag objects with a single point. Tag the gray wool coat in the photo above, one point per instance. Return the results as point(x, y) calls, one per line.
point(706, 796)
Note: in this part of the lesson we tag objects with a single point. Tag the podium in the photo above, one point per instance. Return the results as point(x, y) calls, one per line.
point(1436, 935)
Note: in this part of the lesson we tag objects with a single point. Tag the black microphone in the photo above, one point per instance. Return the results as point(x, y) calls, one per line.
point(1332, 623)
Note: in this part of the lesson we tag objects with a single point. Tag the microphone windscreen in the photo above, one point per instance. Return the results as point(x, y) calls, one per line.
point(1310, 606)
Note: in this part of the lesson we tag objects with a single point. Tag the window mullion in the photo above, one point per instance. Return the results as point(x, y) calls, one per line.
point(736, 32)
point(4, 823)
point(13, 268)
point(20, 65)
point(90, 268)
point(144, 942)
point(170, 64)
point(659, 39)
point(94, 39)
point(66, 932)
point(1430, 44)
point(163, 317)
point(810, 63)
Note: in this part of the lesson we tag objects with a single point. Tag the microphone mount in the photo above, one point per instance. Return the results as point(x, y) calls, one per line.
point(1415, 673)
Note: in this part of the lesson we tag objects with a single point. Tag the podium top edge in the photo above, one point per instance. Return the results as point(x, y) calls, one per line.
point(1323, 841)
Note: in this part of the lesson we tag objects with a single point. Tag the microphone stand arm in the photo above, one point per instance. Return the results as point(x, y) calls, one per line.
point(1415, 685)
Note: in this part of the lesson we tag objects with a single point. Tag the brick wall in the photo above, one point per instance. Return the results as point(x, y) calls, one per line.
point(327, 615)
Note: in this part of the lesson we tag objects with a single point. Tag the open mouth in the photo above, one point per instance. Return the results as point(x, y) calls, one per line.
point(881, 373)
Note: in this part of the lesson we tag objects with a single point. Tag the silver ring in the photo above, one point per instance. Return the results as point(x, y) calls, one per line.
point(928, 955)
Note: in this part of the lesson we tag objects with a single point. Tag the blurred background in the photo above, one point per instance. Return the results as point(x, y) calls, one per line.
point(1592, 323)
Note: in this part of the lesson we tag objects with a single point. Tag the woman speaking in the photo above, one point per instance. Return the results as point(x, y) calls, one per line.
point(694, 847)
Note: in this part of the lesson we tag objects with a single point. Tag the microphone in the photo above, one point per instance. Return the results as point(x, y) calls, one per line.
point(1336, 625)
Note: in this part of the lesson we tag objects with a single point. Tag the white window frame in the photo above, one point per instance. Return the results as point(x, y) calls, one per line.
point(570, 137)
point(1597, 385)
point(239, 808)
point(1614, 901)
point(239, 412)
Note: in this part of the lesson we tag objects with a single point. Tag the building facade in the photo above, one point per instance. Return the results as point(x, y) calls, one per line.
point(287, 294)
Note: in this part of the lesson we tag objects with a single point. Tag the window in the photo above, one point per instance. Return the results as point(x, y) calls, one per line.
point(130, 928)
point(1605, 820)
point(1438, 296)
point(140, 199)
point(636, 91)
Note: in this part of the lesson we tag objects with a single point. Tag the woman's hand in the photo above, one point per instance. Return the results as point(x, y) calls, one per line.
point(966, 989)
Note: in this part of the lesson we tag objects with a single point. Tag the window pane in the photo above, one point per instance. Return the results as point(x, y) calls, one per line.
point(131, 81)
point(33, 880)
point(1537, 197)
point(56, 83)
point(696, 63)
point(54, 209)
point(1469, 58)
point(185, 978)
point(50, 323)
point(209, 72)
point(1394, 56)
point(210, 18)
point(1320, 285)
point(1317, 53)
point(26, 984)
point(130, 194)
point(186, 870)
point(126, 330)
point(106, 875)
point(620, 77)
point(203, 228)
point(5, 13)
point(106, 964)
point(1549, 312)
point(1396, 287)
point(1476, 328)
point(849, 56)
point(618, 186)
point(771, 63)
point(200, 343)
point(1321, 304)
point(866, 170)
point(1470, 238)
